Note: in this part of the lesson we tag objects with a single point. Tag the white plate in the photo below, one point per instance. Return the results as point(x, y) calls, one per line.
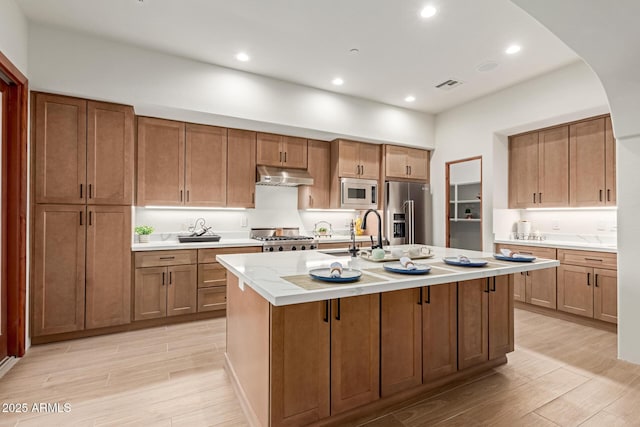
point(396, 267)
point(324, 274)
point(473, 262)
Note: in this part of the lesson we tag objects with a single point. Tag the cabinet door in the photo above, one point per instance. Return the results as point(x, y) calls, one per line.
point(575, 294)
point(400, 340)
point(439, 329)
point(395, 162)
point(586, 163)
point(108, 277)
point(500, 317)
point(317, 195)
point(418, 161)
point(241, 168)
point(605, 295)
point(473, 322)
point(348, 159)
point(60, 135)
point(206, 165)
point(57, 288)
point(355, 352)
point(110, 154)
point(269, 150)
point(160, 162)
point(519, 286)
point(182, 290)
point(213, 298)
point(610, 162)
point(541, 287)
point(369, 161)
point(523, 170)
point(211, 274)
point(294, 152)
point(553, 175)
point(299, 363)
point(150, 297)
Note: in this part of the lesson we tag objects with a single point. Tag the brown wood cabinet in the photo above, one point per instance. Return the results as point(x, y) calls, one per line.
point(150, 297)
point(406, 163)
point(536, 287)
point(281, 151)
point(108, 266)
point(587, 284)
point(352, 159)
point(439, 331)
point(539, 169)
point(241, 169)
point(355, 352)
point(83, 151)
point(205, 166)
point(182, 290)
point(316, 196)
point(592, 163)
point(485, 328)
point(300, 363)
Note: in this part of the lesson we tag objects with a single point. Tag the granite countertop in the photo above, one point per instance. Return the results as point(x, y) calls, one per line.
point(175, 244)
point(563, 244)
point(264, 273)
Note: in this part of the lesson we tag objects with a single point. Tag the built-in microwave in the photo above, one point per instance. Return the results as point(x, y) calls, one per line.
point(358, 193)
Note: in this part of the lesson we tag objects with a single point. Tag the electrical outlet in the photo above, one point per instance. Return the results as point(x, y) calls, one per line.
point(244, 221)
point(555, 225)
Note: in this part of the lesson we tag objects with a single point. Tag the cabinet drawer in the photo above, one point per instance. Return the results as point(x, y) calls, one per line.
point(210, 299)
point(209, 255)
point(213, 274)
point(536, 251)
point(588, 258)
point(165, 258)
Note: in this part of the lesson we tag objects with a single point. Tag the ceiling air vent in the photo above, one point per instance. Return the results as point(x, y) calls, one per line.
point(449, 84)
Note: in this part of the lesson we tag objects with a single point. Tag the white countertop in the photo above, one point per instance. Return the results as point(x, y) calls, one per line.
point(175, 244)
point(563, 244)
point(263, 272)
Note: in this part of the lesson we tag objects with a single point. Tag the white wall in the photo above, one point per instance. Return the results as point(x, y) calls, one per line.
point(481, 127)
point(13, 34)
point(162, 85)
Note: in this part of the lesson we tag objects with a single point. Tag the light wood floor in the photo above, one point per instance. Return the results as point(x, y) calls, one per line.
point(560, 374)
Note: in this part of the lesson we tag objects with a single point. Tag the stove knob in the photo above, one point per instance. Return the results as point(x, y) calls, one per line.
point(303, 247)
point(312, 247)
point(271, 249)
point(293, 248)
point(281, 249)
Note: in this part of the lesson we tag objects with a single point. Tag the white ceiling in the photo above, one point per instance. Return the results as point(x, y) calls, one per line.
point(308, 41)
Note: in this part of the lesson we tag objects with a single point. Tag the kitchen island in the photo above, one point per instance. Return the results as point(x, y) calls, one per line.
point(304, 352)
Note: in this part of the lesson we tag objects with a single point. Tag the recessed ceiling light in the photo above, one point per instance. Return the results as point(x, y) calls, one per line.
point(410, 98)
point(488, 65)
point(514, 48)
point(243, 57)
point(428, 12)
point(337, 81)
point(354, 51)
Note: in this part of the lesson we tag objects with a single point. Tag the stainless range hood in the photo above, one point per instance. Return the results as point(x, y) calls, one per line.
point(269, 175)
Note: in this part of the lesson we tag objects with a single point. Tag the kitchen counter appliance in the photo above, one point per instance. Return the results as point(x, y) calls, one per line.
point(283, 239)
point(358, 193)
point(408, 213)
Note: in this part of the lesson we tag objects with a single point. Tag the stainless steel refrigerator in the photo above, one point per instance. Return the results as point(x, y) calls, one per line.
point(408, 216)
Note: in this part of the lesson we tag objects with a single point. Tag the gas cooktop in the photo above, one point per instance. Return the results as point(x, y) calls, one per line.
point(278, 239)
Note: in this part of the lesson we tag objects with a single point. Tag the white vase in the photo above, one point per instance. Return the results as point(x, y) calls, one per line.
point(143, 238)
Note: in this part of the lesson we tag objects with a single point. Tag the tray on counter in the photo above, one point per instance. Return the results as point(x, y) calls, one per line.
point(194, 239)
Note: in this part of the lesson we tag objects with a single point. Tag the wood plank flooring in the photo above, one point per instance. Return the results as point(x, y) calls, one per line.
point(560, 374)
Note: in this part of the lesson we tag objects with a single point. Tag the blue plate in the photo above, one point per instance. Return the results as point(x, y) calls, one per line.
point(472, 262)
point(520, 258)
point(324, 274)
point(396, 267)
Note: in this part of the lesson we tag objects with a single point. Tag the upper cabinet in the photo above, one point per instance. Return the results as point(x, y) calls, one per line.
point(591, 183)
point(406, 163)
point(356, 159)
point(241, 169)
point(83, 151)
point(281, 151)
point(316, 196)
point(205, 165)
point(570, 165)
point(539, 169)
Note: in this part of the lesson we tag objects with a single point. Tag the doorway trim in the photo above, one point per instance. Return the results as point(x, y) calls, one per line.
point(14, 236)
point(447, 201)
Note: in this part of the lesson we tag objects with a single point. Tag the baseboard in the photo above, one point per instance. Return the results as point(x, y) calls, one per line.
point(7, 364)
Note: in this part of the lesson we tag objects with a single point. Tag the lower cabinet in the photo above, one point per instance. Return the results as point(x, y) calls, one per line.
point(485, 322)
point(439, 331)
point(165, 291)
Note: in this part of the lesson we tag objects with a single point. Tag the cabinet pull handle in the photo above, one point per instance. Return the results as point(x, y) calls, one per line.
point(493, 288)
point(338, 310)
point(420, 297)
point(406, 170)
point(534, 197)
point(588, 279)
point(593, 259)
point(180, 195)
point(285, 157)
point(528, 273)
point(90, 191)
point(90, 217)
point(187, 195)
point(163, 278)
point(81, 218)
point(170, 277)
point(326, 311)
point(168, 257)
point(428, 300)
point(600, 195)
point(81, 191)
point(362, 168)
point(608, 194)
point(410, 171)
point(539, 197)
point(596, 280)
point(487, 288)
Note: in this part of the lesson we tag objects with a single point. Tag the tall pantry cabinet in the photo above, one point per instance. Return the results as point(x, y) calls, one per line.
point(83, 187)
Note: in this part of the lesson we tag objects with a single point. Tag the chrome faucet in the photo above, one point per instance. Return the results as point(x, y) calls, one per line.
point(364, 225)
point(353, 249)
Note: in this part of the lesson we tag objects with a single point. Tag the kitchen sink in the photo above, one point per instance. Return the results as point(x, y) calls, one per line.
point(336, 252)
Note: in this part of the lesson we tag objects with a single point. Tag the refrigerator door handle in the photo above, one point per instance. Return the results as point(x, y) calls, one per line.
point(409, 209)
